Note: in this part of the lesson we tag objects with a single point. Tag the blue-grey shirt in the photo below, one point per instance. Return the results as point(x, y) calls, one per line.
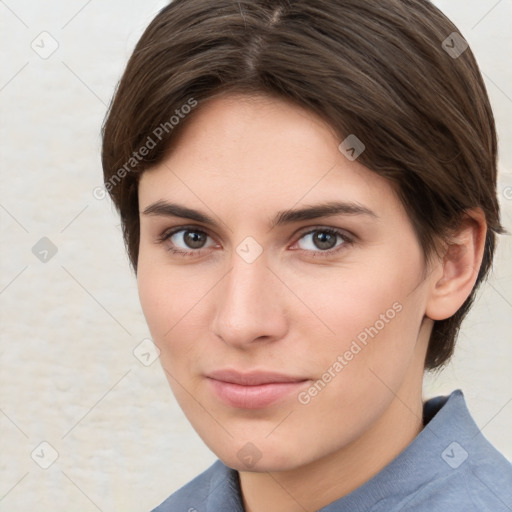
point(449, 467)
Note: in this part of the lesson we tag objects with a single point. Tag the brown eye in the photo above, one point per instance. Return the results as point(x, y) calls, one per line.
point(194, 239)
point(188, 239)
point(322, 240)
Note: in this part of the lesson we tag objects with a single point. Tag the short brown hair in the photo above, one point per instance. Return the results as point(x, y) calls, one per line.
point(381, 70)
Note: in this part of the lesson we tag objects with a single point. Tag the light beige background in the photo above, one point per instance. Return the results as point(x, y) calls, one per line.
point(69, 376)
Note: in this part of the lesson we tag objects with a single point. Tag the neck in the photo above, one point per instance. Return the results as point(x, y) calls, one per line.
point(325, 480)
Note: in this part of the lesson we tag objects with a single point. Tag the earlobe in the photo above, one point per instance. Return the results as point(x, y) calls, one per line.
point(460, 265)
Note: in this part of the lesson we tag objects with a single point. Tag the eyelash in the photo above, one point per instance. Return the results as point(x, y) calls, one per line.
point(346, 239)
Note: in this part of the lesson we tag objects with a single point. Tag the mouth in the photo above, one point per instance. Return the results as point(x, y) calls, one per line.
point(254, 390)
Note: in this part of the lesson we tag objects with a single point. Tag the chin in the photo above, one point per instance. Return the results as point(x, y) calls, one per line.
point(260, 457)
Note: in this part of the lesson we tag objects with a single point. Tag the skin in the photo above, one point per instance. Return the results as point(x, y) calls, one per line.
point(296, 308)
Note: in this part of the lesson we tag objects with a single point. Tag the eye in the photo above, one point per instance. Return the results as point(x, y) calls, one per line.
point(187, 240)
point(323, 239)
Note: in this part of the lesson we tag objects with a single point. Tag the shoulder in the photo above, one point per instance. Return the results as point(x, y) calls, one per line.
point(216, 480)
point(470, 474)
point(488, 479)
point(481, 486)
point(449, 466)
point(190, 494)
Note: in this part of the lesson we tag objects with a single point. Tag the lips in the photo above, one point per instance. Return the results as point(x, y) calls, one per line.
point(254, 390)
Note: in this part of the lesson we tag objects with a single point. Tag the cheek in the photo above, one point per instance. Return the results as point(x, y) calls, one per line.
point(352, 302)
point(174, 301)
point(373, 315)
point(155, 299)
point(165, 299)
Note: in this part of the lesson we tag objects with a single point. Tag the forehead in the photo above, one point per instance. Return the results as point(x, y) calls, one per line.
point(259, 153)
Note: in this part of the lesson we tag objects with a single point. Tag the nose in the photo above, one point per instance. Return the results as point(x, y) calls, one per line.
point(250, 305)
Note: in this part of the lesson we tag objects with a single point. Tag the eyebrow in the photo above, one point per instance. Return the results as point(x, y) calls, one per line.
point(329, 209)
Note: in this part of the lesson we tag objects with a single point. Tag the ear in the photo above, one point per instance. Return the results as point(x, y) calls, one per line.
point(456, 275)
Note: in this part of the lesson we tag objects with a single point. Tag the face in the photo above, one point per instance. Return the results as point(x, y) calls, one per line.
point(282, 282)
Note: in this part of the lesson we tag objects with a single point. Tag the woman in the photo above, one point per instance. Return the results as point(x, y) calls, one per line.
point(307, 191)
